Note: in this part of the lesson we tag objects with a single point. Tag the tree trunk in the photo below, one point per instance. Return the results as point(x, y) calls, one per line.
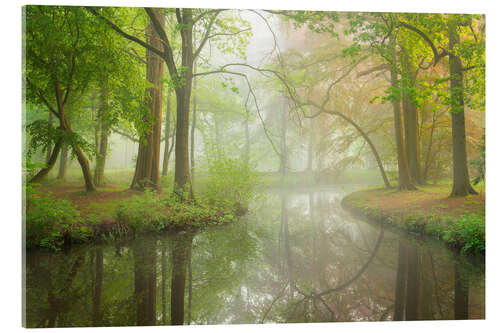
point(101, 158)
point(461, 182)
point(410, 120)
point(429, 147)
point(283, 150)
point(49, 148)
point(182, 175)
point(102, 143)
point(310, 145)
point(247, 139)
point(147, 169)
point(193, 128)
point(52, 160)
point(63, 162)
point(404, 174)
point(65, 124)
point(167, 151)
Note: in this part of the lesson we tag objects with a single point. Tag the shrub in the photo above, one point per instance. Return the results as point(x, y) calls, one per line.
point(150, 211)
point(469, 231)
point(231, 182)
point(144, 212)
point(48, 220)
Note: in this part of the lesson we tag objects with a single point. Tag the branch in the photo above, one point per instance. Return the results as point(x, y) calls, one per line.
point(199, 17)
point(327, 98)
point(229, 33)
point(44, 100)
point(124, 134)
point(251, 92)
point(124, 34)
point(382, 67)
point(137, 56)
point(275, 39)
point(72, 70)
point(437, 56)
point(178, 15)
point(207, 34)
point(168, 54)
point(263, 71)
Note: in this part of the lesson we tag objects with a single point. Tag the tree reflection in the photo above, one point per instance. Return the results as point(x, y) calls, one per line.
point(461, 305)
point(180, 248)
point(300, 258)
point(145, 280)
point(97, 287)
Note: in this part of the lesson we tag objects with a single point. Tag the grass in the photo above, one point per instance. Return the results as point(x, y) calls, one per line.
point(458, 221)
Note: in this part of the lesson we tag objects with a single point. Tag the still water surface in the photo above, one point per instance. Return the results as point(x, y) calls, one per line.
point(297, 257)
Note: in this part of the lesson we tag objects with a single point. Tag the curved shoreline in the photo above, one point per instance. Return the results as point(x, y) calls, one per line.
point(430, 224)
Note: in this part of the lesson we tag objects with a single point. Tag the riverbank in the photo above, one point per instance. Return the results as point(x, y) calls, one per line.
point(458, 221)
point(62, 215)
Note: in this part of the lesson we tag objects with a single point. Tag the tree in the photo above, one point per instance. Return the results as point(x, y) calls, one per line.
point(189, 21)
point(57, 69)
point(461, 181)
point(168, 148)
point(449, 27)
point(405, 181)
point(147, 170)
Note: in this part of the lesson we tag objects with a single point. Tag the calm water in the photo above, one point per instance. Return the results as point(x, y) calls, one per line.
point(298, 257)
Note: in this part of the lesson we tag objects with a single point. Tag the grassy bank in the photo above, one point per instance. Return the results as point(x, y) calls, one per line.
point(59, 216)
point(459, 221)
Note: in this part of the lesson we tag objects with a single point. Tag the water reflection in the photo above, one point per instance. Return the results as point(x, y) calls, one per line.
point(298, 258)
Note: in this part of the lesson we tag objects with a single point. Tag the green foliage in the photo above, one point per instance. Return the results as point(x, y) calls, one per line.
point(144, 212)
point(468, 230)
point(231, 182)
point(150, 212)
point(48, 220)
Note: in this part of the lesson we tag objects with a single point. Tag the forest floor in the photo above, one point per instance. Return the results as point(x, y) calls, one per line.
point(459, 221)
point(101, 203)
point(62, 213)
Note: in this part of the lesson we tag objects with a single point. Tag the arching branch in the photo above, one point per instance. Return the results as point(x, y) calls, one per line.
point(437, 55)
point(124, 34)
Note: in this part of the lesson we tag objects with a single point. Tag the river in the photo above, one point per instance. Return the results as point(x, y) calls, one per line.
point(296, 257)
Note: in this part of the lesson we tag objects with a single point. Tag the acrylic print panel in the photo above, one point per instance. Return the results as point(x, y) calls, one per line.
point(187, 166)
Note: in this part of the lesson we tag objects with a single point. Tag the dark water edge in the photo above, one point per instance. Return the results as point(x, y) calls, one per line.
point(296, 257)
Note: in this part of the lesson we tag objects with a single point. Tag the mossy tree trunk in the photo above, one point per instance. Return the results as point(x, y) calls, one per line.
point(405, 182)
point(167, 150)
point(410, 114)
point(102, 138)
point(461, 182)
point(147, 169)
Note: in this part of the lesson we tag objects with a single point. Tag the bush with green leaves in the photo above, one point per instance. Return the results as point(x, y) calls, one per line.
point(469, 231)
point(143, 212)
point(150, 211)
point(49, 220)
point(231, 182)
